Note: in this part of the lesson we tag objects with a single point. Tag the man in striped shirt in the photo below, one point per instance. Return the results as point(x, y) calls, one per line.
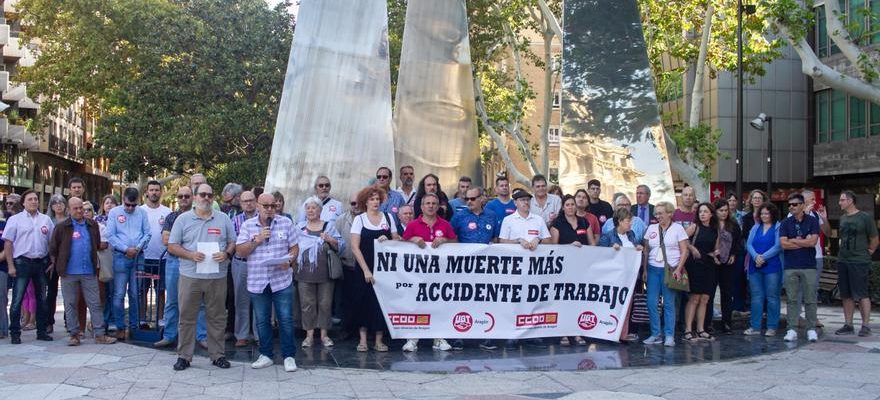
point(269, 242)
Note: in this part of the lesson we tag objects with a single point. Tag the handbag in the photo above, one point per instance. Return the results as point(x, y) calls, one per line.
point(682, 284)
point(639, 313)
point(334, 262)
point(105, 265)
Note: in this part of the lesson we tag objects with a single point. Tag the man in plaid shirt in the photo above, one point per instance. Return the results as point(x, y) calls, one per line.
point(266, 237)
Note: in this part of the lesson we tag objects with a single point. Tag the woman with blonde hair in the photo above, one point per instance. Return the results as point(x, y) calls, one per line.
point(667, 248)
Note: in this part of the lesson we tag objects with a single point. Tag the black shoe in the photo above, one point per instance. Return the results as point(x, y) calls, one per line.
point(222, 362)
point(845, 330)
point(45, 337)
point(537, 343)
point(511, 344)
point(727, 329)
point(458, 344)
point(181, 364)
point(15, 339)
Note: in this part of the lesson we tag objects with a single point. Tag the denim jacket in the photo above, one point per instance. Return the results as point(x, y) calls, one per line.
point(609, 239)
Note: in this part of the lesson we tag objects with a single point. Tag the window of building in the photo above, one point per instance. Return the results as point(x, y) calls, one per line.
point(822, 115)
point(821, 32)
point(838, 115)
point(856, 117)
point(875, 120)
point(553, 135)
point(557, 100)
point(856, 16)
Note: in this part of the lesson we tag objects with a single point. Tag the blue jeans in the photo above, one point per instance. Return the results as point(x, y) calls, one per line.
point(172, 312)
point(655, 288)
point(765, 287)
point(283, 302)
point(125, 277)
point(29, 270)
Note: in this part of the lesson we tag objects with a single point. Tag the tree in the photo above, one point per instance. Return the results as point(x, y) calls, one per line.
point(179, 84)
point(793, 19)
point(702, 34)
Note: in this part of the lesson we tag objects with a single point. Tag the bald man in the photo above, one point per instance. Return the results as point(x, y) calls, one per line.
point(74, 246)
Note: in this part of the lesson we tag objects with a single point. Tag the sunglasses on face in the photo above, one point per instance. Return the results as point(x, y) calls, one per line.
point(206, 195)
point(130, 205)
point(323, 185)
point(183, 196)
point(382, 176)
point(269, 206)
point(794, 204)
point(472, 198)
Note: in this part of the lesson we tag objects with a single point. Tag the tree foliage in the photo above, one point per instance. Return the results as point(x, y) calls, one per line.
point(179, 85)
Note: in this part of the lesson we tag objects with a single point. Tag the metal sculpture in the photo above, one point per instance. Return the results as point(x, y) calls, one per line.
point(335, 112)
point(435, 116)
point(611, 126)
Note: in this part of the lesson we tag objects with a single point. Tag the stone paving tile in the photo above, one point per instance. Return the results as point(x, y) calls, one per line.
point(811, 392)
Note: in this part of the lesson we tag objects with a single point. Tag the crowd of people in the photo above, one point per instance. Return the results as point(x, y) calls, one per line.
point(236, 267)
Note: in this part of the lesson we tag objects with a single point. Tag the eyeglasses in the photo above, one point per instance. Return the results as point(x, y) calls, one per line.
point(269, 206)
point(183, 196)
point(794, 204)
point(472, 198)
point(10, 203)
point(130, 205)
point(383, 176)
point(353, 203)
point(206, 195)
point(323, 185)
point(247, 200)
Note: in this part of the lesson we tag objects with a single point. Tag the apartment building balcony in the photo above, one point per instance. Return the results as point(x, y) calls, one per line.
point(15, 93)
point(10, 6)
point(12, 51)
point(28, 103)
point(4, 34)
point(4, 129)
point(4, 81)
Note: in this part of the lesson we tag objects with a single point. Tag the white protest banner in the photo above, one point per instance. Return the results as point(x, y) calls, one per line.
point(502, 291)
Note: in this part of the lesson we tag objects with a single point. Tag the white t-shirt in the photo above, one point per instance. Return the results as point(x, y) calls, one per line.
point(625, 240)
point(515, 227)
point(362, 221)
point(674, 234)
point(550, 209)
point(156, 218)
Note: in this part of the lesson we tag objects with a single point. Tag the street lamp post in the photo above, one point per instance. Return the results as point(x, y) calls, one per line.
point(740, 9)
point(758, 123)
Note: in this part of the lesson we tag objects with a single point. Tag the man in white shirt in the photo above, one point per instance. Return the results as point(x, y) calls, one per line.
point(528, 230)
point(26, 238)
point(406, 189)
point(153, 264)
point(331, 208)
point(546, 205)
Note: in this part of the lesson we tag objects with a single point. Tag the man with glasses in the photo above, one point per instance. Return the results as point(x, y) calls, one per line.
point(475, 225)
point(621, 201)
point(74, 247)
point(395, 200)
point(128, 231)
point(172, 278)
point(406, 189)
point(26, 238)
point(242, 299)
point(798, 235)
point(156, 214)
point(858, 242)
point(546, 205)
point(331, 208)
point(459, 203)
point(193, 234)
point(270, 237)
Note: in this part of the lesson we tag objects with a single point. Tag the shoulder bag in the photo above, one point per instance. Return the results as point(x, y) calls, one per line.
point(334, 263)
point(682, 284)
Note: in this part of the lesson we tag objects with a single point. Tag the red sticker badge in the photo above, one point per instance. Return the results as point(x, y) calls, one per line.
point(44, 229)
point(533, 232)
point(438, 233)
point(121, 219)
point(581, 231)
point(333, 209)
point(472, 225)
point(76, 235)
point(214, 231)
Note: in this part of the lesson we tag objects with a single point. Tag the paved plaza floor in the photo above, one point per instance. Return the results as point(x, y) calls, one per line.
point(844, 367)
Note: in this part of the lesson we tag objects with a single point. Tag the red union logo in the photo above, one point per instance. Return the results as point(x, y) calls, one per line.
point(410, 319)
point(537, 319)
point(462, 322)
point(587, 320)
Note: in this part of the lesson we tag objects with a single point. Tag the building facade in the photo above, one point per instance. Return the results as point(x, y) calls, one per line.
point(41, 157)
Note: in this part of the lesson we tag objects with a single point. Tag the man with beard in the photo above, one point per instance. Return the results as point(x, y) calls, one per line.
point(406, 189)
point(193, 230)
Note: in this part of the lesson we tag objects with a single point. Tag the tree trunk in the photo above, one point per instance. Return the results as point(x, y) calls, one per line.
point(686, 172)
point(700, 71)
point(548, 101)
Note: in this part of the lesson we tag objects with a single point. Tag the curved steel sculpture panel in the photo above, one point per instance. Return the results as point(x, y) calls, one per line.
point(611, 124)
point(435, 123)
point(335, 112)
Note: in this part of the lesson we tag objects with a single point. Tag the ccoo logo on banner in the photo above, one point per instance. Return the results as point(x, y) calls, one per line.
point(502, 291)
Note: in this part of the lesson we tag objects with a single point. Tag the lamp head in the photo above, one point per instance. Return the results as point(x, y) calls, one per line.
point(758, 123)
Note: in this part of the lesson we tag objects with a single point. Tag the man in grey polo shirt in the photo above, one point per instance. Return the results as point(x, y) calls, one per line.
point(194, 229)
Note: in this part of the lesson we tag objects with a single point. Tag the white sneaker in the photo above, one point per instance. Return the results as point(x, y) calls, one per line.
point(262, 362)
point(790, 336)
point(442, 345)
point(289, 364)
point(751, 332)
point(812, 335)
point(411, 345)
point(653, 340)
point(770, 332)
point(669, 342)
